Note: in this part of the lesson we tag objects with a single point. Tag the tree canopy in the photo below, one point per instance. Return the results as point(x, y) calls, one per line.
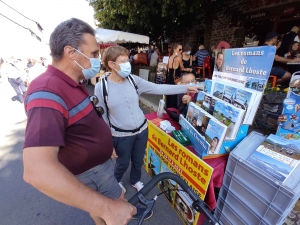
point(154, 18)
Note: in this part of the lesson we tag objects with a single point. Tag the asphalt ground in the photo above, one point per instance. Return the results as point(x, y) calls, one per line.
point(20, 203)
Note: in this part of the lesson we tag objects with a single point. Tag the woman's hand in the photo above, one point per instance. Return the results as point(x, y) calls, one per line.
point(192, 89)
point(114, 154)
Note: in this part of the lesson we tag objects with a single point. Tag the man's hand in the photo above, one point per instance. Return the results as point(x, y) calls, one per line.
point(114, 154)
point(121, 212)
point(186, 99)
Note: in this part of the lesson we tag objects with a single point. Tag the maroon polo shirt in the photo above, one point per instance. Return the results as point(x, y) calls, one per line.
point(60, 114)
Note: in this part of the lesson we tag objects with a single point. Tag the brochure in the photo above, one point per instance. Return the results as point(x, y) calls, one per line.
point(212, 132)
point(224, 112)
point(218, 90)
point(289, 122)
point(277, 157)
point(207, 86)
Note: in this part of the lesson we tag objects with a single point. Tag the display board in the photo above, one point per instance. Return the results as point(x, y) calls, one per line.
point(165, 154)
point(239, 78)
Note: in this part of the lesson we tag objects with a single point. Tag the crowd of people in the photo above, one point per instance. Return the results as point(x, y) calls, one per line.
point(71, 136)
point(287, 58)
point(20, 73)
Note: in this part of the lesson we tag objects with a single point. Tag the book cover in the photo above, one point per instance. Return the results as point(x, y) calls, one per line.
point(242, 99)
point(212, 132)
point(218, 90)
point(230, 116)
point(229, 94)
point(224, 112)
point(207, 86)
point(276, 157)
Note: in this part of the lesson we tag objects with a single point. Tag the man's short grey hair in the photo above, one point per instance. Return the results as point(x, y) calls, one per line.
point(69, 32)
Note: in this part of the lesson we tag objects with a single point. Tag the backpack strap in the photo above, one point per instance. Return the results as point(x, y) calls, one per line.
point(105, 96)
point(133, 83)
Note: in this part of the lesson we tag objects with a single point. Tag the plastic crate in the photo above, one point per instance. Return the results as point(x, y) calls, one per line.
point(251, 194)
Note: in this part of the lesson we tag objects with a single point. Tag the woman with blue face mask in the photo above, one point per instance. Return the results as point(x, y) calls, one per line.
point(187, 58)
point(123, 113)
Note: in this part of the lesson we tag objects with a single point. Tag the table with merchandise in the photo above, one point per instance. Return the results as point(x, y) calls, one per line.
point(218, 164)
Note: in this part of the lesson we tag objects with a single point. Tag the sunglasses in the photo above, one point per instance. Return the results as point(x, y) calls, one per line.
point(94, 100)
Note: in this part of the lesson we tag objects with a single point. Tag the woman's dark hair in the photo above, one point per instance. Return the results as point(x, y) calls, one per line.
point(291, 45)
point(187, 47)
point(174, 46)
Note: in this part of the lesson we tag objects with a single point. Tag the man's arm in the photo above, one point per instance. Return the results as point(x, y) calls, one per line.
point(285, 60)
point(43, 171)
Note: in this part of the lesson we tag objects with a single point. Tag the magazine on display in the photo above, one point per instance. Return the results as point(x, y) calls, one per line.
point(207, 86)
point(242, 98)
point(277, 157)
point(212, 132)
point(224, 112)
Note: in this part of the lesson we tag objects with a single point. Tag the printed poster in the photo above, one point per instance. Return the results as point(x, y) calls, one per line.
point(165, 154)
point(245, 67)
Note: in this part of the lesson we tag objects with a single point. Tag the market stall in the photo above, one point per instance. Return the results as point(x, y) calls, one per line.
point(107, 38)
point(216, 126)
point(118, 37)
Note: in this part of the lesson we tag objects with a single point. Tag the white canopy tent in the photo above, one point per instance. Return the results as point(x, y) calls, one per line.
point(114, 36)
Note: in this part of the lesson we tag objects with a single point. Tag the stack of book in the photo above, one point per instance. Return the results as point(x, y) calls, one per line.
point(239, 97)
point(223, 111)
point(212, 132)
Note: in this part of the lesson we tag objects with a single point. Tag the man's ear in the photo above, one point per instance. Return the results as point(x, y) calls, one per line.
point(70, 52)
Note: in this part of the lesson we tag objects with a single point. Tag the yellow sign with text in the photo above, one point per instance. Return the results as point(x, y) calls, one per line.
point(179, 160)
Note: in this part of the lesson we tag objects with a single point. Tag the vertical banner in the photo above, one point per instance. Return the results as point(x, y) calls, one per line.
point(165, 154)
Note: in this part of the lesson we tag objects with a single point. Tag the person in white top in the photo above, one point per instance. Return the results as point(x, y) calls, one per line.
point(15, 75)
point(154, 57)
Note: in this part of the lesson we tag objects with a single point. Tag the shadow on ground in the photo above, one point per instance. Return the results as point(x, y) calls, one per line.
point(22, 204)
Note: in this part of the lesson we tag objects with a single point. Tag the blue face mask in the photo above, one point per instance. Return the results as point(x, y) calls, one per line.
point(188, 53)
point(93, 70)
point(125, 69)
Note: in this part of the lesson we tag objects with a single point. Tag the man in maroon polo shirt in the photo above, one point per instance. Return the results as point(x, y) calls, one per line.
point(68, 146)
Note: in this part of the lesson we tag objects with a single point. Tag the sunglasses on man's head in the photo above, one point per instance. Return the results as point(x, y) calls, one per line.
point(94, 100)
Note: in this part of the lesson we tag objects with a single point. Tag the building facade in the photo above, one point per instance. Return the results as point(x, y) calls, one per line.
point(246, 18)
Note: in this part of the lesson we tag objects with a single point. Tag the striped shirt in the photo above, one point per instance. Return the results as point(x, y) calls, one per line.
point(201, 55)
point(60, 114)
